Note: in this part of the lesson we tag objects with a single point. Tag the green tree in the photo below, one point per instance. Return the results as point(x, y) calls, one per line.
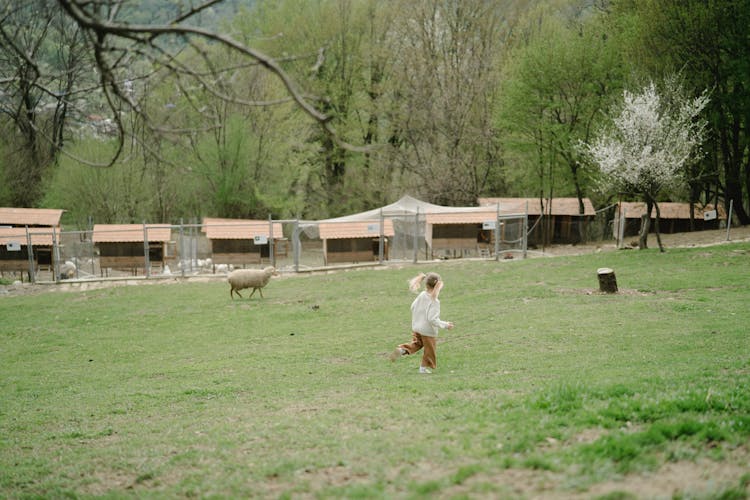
point(708, 43)
point(654, 136)
point(120, 194)
point(446, 56)
point(559, 79)
point(236, 159)
point(337, 48)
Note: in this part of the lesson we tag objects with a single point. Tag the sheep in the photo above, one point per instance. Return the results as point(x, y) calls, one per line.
point(256, 279)
point(67, 270)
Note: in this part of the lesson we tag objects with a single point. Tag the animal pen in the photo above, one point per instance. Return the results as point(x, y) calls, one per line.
point(462, 234)
point(403, 232)
point(28, 239)
point(673, 218)
point(132, 247)
point(552, 221)
point(355, 241)
point(27, 251)
point(242, 242)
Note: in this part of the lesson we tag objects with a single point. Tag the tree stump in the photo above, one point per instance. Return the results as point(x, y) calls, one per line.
point(607, 280)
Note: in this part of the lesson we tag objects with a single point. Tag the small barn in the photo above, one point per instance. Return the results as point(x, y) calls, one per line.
point(124, 246)
point(354, 240)
point(460, 232)
point(566, 223)
point(242, 242)
point(20, 227)
point(438, 231)
point(16, 256)
point(674, 217)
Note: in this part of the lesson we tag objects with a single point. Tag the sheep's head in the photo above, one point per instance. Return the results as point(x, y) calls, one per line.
point(271, 271)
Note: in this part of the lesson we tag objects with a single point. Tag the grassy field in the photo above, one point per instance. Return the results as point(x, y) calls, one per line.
point(545, 389)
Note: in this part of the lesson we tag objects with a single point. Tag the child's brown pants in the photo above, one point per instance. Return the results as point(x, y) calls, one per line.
point(429, 356)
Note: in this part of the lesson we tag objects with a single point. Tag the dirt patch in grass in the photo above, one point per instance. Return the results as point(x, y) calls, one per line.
point(340, 475)
point(703, 478)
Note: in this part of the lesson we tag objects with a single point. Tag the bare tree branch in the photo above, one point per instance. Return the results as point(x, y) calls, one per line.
point(86, 15)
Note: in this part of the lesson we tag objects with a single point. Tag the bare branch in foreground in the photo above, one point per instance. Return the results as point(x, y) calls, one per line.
point(101, 32)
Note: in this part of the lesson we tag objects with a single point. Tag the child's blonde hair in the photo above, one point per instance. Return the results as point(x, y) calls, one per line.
point(430, 279)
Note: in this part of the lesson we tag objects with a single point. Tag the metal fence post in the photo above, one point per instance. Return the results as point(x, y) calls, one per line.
point(182, 249)
point(271, 246)
point(30, 252)
point(497, 234)
point(296, 245)
point(89, 236)
point(55, 257)
point(525, 243)
point(146, 256)
point(729, 217)
point(380, 240)
point(416, 236)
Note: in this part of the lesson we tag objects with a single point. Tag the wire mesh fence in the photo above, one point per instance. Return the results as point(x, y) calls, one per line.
point(217, 247)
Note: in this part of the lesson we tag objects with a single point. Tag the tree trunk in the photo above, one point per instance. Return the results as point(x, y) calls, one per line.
point(656, 227)
point(607, 280)
point(645, 228)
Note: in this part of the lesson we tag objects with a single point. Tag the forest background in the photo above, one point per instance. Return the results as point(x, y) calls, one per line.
point(446, 100)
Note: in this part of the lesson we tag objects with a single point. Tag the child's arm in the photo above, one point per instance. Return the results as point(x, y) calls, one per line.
point(433, 311)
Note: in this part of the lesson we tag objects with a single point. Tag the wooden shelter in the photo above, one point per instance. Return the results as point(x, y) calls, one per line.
point(460, 233)
point(443, 232)
point(130, 247)
point(674, 217)
point(566, 222)
point(27, 237)
point(355, 240)
point(21, 247)
point(244, 241)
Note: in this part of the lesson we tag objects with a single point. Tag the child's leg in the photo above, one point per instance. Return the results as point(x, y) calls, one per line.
point(415, 345)
point(429, 356)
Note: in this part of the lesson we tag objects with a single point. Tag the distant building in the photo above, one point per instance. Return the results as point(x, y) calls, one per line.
point(442, 232)
point(124, 246)
point(243, 241)
point(27, 237)
point(354, 241)
point(566, 224)
point(674, 217)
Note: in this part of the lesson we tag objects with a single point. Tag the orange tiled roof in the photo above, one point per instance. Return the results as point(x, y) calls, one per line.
point(668, 210)
point(30, 216)
point(559, 206)
point(40, 236)
point(129, 233)
point(239, 229)
point(474, 217)
point(355, 229)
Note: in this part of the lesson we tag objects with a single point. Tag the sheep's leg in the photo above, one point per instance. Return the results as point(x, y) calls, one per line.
point(232, 291)
point(251, 294)
point(260, 291)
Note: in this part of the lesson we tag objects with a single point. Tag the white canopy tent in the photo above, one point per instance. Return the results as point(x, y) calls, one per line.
point(414, 221)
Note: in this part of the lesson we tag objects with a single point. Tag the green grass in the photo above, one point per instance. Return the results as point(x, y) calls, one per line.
point(176, 390)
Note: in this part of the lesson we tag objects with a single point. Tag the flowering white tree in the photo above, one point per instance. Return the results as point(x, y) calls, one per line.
point(649, 145)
